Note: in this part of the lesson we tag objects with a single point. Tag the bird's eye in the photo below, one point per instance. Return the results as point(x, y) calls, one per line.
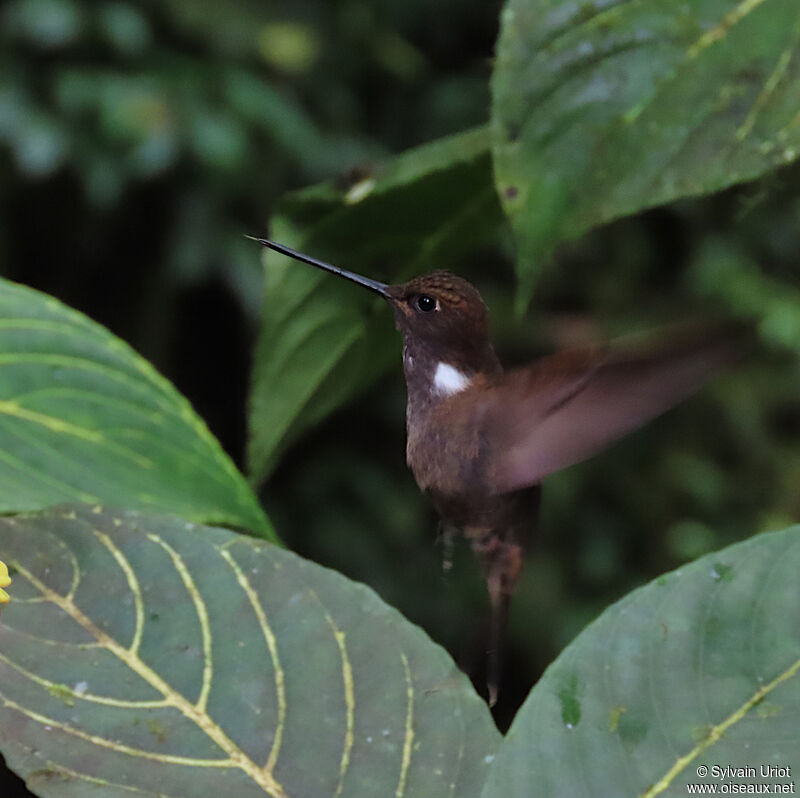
point(426, 303)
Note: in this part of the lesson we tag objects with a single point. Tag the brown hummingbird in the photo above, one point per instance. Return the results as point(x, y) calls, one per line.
point(480, 439)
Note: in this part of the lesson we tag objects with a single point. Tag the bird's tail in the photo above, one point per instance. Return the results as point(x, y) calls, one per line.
point(503, 563)
point(497, 633)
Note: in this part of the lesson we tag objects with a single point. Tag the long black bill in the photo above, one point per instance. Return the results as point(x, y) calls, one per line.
point(373, 285)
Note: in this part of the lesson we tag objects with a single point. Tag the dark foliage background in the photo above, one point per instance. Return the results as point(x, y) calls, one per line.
point(140, 140)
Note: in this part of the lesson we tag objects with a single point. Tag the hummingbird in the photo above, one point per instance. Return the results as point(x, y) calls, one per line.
point(481, 439)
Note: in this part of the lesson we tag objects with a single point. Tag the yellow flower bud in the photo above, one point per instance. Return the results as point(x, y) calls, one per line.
point(5, 581)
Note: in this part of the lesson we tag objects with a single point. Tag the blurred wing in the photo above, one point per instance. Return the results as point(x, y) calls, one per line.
point(566, 408)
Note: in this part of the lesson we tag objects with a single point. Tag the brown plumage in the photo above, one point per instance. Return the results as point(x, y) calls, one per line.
point(480, 440)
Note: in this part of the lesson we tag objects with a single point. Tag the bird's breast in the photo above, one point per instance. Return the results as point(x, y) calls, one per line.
point(445, 448)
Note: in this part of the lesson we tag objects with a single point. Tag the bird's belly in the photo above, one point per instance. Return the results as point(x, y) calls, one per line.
point(507, 516)
point(440, 467)
point(453, 476)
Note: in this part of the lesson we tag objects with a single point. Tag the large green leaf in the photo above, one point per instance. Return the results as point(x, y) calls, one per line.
point(697, 669)
point(322, 340)
point(602, 109)
point(84, 418)
point(140, 655)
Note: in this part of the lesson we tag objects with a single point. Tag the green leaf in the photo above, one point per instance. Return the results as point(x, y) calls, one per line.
point(699, 668)
point(600, 110)
point(84, 418)
point(140, 657)
point(322, 340)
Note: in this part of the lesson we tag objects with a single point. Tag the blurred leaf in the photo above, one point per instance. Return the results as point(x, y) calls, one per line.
point(229, 27)
point(265, 107)
point(102, 180)
point(83, 417)
point(125, 27)
point(218, 139)
point(176, 660)
point(50, 23)
point(323, 340)
point(399, 57)
point(290, 46)
point(723, 270)
point(689, 539)
point(40, 145)
point(700, 667)
point(600, 110)
point(14, 105)
point(131, 107)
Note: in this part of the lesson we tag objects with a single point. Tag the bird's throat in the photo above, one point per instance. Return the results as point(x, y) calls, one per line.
point(448, 380)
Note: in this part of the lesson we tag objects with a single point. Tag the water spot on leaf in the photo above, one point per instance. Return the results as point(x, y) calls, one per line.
point(570, 705)
point(721, 571)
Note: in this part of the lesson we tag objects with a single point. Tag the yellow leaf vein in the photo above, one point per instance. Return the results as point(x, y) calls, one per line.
point(272, 647)
point(56, 768)
point(236, 757)
point(65, 691)
point(718, 32)
point(114, 745)
point(409, 733)
point(62, 427)
point(202, 617)
point(717, 731)
point(133, 585)
point(349, 701)
point(770, 85)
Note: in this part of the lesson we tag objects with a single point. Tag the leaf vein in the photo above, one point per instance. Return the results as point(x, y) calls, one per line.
point(718, 32)
point(272, 647)
point(409, 729)
point(70, 491)
point(66, 690)
point(133, 584)
point(60, 426)
point(349, 699)
point(202, 618)
point(236, 757)
point(718, 730)
point(113, 744)
point(62, 769)
point(770, 85)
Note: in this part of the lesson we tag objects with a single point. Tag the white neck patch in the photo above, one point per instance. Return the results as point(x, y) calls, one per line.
point(449, 380)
